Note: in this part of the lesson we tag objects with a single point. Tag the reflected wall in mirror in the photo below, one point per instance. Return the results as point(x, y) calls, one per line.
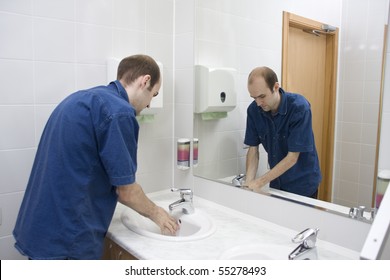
point(246, 34)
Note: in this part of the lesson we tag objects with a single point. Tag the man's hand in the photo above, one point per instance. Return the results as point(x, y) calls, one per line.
point(133, 196)
point(167, 223)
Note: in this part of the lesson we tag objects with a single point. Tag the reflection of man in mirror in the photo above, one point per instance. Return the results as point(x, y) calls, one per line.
point(282, 123)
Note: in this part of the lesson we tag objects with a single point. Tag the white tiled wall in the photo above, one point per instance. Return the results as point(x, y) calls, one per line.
point(48, 50)
point(51, 48)
point(361, 47)
point(184, 91)
point(384, 155)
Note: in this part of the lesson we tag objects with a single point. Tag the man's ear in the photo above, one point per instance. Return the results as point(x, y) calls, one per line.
point(144, 81)
point(276, 86)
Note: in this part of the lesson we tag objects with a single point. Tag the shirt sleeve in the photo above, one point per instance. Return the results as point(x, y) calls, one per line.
point(117, 144)
point(251, 134)
point(301, 137)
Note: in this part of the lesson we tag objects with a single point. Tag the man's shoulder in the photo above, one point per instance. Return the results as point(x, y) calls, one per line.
point(297, 101)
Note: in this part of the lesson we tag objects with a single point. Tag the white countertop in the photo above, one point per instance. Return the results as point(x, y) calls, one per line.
point(233, 228)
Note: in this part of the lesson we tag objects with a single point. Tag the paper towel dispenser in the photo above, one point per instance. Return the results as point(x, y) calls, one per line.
point(157, 102)
point(215, 89)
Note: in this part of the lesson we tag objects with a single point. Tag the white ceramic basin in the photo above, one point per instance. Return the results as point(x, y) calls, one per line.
point(257, 252)
point(192, 226)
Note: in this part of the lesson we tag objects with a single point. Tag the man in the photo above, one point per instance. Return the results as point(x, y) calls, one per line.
point(86, 161)
point(282, 123)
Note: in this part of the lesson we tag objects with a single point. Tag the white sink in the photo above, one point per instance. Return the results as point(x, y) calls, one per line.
point(257, 252)
point(192, 226)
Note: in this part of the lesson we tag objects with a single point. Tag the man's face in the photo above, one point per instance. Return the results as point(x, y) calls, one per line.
point(146, 96)
point(264, 97)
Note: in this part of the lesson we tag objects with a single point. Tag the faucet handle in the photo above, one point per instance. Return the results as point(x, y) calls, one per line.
point(183, 191)
point(307, 236)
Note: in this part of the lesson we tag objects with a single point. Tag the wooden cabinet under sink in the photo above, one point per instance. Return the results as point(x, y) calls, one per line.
point(112, 251)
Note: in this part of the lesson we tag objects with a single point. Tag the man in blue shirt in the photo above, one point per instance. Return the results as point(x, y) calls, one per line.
point(86, 161)
point(282, 123)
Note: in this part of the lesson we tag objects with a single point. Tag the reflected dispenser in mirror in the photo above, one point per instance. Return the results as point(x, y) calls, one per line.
point(215, 89)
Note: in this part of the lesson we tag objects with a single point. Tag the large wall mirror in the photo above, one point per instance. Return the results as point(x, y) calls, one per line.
point(245, 34)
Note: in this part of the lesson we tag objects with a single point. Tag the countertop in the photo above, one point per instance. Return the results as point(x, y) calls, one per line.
point(233, 228)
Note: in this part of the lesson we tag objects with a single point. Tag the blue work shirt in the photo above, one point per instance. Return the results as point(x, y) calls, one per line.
point(289, 130)
point(88, 147)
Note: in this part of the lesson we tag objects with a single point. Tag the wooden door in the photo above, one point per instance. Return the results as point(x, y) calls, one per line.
point(309, 67)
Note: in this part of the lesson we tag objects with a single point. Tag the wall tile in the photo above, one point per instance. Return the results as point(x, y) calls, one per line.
point(15, 168)
point(159, 46)
point(368, 154)
point(17, 6)
point(353, 91)
point(95, 12)
point(12, 90)
point(184, 16)
point(49, 89)
point(159, 16)
point(18, 41)
point(370, 113)
point(17, 127)
point(367, 176)
point(349, 152)
point(8, 251)
point(54, 40)
point(184, 57)
point(371, 91)
point(384, 162)
point(128, 42)
point(351, 132)
point(10, 204)
point(59, 9)
point(90, 75)
point(129, 14)
point(353, 112)
point(93, 43)
point(42, 114)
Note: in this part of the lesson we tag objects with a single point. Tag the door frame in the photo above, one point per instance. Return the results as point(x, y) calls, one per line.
point(328, 128)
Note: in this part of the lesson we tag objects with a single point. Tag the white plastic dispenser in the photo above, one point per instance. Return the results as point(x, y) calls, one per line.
point(157, 102)
point(215, 89)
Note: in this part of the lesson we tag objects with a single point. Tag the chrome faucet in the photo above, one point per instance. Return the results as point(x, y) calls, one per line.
point(308, 239)
point(185, 201)
point(358, 213)
point(238, 180)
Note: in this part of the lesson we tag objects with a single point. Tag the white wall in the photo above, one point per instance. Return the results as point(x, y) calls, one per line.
point(384, 152)
point(51, 48)
point(184, 89)
point(48, 50)
point(361, 48)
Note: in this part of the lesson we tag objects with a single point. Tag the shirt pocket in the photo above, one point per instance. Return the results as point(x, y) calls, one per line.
point(281, 140)
point(265, 141)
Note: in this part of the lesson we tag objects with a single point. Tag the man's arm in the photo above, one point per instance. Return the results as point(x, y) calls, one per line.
point(252, 163)
point(285, 164)
point(134, 197)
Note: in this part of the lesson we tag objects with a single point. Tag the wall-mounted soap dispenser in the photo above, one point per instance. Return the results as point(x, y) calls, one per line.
point(215, 89)
point(157, 102)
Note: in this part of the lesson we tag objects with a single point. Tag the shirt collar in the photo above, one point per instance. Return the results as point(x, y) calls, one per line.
point(282, 110)
point(121, 90)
